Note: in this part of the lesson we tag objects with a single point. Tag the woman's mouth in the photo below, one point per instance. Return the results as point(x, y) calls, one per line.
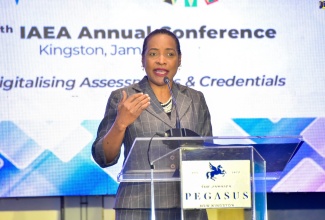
point(160, 72)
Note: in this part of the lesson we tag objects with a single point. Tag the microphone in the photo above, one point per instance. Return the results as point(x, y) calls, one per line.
point(178, 131)
point(178, 122)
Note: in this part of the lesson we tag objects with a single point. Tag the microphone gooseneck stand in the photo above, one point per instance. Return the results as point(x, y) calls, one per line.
point(173, 132)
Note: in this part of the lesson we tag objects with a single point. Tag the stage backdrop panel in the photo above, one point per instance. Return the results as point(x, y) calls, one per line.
point(258, 63)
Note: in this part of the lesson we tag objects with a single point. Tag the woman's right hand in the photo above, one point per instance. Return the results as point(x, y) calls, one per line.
point(130, 108)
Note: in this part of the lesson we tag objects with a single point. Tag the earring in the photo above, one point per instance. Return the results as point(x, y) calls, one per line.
point(179, 67)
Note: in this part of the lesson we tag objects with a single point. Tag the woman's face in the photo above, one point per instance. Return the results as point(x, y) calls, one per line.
point(161, 59)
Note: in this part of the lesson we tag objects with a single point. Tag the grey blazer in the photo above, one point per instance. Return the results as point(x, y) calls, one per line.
point(194, 115)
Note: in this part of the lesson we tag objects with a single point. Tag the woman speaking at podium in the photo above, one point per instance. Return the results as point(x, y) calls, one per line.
point(141, 110)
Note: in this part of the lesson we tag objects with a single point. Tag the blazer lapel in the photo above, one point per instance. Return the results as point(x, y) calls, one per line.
point(156, 110)
point(155, 107)
point(183, 102)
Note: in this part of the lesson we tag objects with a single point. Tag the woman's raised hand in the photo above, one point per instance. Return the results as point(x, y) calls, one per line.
point(131, 107)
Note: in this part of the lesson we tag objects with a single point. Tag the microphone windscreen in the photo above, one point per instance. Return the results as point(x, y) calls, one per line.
point(166, 80)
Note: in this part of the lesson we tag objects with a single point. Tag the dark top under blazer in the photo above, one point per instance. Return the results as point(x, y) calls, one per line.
point(194, 115)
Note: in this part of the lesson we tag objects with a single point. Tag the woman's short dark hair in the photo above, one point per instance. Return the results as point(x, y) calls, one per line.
point(161, 31)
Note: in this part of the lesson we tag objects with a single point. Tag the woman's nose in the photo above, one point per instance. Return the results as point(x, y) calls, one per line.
point(161, 60)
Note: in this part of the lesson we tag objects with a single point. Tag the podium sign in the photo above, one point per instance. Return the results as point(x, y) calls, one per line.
point(216, 184)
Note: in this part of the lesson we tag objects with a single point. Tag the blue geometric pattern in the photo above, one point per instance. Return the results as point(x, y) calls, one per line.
point(265, 127)
point(306, 171)
point(47, 175)
point(27, 169)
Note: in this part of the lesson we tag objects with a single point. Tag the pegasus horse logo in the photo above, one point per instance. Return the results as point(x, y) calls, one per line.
point(215, 171)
